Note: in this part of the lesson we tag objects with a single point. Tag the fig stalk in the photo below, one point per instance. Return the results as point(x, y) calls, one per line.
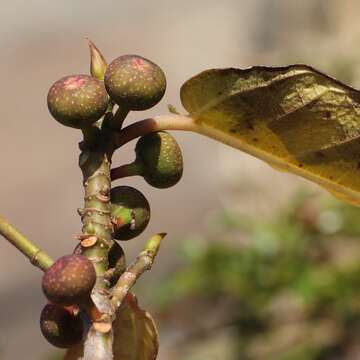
point(132, 169)
point(156, 123)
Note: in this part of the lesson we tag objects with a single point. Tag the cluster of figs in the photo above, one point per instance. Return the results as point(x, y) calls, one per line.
point(80, 101)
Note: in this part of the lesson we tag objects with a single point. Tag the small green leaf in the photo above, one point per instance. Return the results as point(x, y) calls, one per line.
point(135, 334)
point(295, 118)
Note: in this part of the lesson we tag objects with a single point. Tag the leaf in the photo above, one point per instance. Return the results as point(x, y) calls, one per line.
point(295, 118)
point(135, 334)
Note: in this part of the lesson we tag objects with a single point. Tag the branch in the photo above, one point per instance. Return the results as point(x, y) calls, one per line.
point(157, 123)
point(36, 256)
point(143, 262)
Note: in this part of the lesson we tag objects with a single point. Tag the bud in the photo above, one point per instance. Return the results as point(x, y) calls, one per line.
point(69, 280)
point(98, 63)
point(134, 82)
point(130, 212)
point(77, 100)
point(161, 159)
point(61, 327)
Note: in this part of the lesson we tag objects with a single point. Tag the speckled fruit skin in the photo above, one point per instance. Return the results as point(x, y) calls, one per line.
point(117, 261)
point(61, 327)
point(161, 157)
point(134, 82)
point(127, 202)
point(69, 280)
point(77, 100)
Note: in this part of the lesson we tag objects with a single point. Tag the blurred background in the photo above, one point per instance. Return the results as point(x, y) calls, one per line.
point(257, 264)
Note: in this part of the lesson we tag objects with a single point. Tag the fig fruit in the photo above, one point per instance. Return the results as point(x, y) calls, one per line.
point(135, 83)
point(69, 280)
point(161, 159)
point(130, 212)
point(62, 327)
point(77, 100)
point(117, 262)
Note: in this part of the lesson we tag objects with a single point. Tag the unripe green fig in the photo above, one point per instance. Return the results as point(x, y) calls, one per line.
point(77, 100)
point(130, 212)
point(69, 280)
point(134, 82)
point(161, 159)
point(61, 327)
point(117, 262)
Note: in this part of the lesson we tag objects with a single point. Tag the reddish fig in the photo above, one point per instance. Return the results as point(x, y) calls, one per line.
point(62, 327)
point(69, 280)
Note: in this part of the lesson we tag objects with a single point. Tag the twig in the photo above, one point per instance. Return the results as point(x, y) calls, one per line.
point(36, 256)
point(143, 262)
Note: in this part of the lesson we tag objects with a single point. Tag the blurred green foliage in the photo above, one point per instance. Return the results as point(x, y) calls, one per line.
point(286, 287)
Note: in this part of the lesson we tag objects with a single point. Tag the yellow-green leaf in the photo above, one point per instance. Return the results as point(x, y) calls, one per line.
point(295, 118)
point(135, 334)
